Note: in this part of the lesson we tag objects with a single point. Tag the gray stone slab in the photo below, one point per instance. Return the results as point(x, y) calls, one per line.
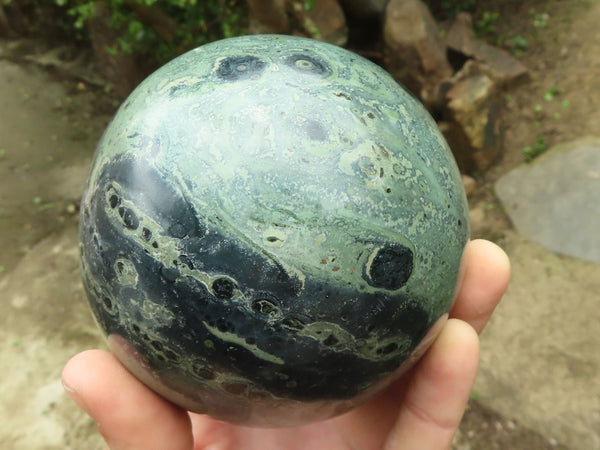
point(555, 201)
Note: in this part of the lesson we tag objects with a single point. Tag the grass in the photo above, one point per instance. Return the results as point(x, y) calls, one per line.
point(539, 147)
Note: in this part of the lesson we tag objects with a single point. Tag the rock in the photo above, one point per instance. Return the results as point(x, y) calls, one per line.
point(312, 96)
point(498, 64)
point(268, 17)
point(477, 219)
point(468, 184)
point(328, 20)
point(413, 51)
point(472, 119)
point(554, 201)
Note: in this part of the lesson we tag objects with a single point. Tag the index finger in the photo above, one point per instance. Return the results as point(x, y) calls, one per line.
point(485, 279)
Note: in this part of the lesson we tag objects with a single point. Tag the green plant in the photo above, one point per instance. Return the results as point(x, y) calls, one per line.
point(309, 5)
point(541, 20)
point(444, 10)
point(536, 149)
point(518, 45)
point(158, 30)
point(487, 23)
point(551, 93)
point(453, 8)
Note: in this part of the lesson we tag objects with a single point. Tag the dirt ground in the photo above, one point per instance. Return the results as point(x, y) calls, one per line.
point(50, 122)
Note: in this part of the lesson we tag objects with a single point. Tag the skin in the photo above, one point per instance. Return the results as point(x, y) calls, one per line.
point(420, 411)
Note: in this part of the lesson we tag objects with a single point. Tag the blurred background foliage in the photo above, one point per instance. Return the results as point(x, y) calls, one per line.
point(156, 30)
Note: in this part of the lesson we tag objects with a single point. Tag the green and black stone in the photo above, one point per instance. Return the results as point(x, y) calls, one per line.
point(270, 220)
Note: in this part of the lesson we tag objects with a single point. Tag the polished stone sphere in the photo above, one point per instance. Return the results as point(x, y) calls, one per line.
point(272, 226)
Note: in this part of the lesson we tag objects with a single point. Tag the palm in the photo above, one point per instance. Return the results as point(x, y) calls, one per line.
point(366, 427)
point(420, 411)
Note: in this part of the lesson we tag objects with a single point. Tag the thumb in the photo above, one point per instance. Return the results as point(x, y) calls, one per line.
point(129, 415)
point(438, 391)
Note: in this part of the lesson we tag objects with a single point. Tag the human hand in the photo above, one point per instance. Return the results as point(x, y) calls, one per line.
point(420, 411)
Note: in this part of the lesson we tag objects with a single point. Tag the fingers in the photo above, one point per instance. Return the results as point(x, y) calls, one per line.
point(486, 277)
point(129, 415)
point(438, 391)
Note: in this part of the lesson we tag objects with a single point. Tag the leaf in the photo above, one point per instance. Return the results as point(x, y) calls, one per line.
point(46, 207)
point(551, 93)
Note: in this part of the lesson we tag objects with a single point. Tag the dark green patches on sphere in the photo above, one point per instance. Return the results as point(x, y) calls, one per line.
point(314, 130)
point(414, 321)
point(308, 64)
point(114, 201)
point(235, 68)
point(293, 323)
point(129, 217)
point(169, 274)
point(391, 267)
point(146, 234)
point(223, 288)
point(204, 372)
point(266, 306)
point(178, 230)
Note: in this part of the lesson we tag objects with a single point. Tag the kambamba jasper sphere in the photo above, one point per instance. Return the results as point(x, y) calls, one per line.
point(272, 227)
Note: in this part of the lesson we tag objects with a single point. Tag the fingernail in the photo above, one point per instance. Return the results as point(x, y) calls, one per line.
point(68, 389)
point(71, 392)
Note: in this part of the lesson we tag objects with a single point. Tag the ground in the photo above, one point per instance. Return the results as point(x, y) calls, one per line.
point(49, 124)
